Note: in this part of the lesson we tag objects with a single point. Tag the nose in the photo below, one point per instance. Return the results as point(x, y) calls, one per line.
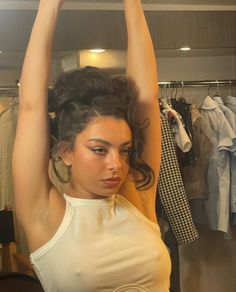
point(114, 161)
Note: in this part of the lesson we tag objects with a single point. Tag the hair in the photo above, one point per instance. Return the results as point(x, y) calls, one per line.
point(79, 96)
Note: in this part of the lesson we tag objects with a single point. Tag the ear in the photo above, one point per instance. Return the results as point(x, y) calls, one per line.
point(65, 153)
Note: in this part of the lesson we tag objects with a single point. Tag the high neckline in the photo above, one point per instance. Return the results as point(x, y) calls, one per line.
point(107, 201)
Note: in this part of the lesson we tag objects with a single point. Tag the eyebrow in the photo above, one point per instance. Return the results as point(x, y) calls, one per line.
point(108, 143)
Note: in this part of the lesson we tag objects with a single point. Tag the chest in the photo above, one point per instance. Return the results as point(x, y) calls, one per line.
point(112, 251)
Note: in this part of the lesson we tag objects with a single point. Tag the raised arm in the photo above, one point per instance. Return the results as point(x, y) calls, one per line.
point(31, 150)
point(141, 67)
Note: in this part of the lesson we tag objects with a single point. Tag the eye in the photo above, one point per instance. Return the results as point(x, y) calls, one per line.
point(125, 151)
point(99, 150)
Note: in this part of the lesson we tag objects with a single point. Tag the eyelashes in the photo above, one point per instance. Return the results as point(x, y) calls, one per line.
point(99, 150)
point(102, 151)
point(125, 151)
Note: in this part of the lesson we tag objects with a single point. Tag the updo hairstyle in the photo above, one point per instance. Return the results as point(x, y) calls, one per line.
point(78, 96)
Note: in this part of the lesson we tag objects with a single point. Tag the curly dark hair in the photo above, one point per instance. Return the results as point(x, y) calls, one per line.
point(76, 97)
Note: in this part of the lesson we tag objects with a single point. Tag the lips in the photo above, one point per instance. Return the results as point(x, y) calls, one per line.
point(111, 182)
point(112, 179)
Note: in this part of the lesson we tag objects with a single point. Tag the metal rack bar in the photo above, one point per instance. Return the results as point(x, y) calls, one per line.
point(196, 83)
point(12, 91)
point(9, 91)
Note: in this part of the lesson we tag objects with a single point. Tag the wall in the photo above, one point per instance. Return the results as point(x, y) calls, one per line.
point(198, 68)
point(8, 77)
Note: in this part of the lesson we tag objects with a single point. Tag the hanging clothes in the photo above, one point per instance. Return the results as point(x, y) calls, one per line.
point(180, 136)
point(184, 110)
point(214, 211)
point(231, 118)
point(228, 113)
point(4, 103)
point(230, 102)
point(8, 121)
point(195, 174)
point(171, 190)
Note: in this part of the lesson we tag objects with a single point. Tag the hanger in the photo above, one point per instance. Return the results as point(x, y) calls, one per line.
point(230, 83)
point(181, 97)
point(164, 98)
point(14, 101)
point(174, 89)
point(163, 87)
point(161, 97)
point(218, 89)
point(182, 94)
point(208, 89)
point(165, 104)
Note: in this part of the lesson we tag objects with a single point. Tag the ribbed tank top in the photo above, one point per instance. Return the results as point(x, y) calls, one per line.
point(103, 245)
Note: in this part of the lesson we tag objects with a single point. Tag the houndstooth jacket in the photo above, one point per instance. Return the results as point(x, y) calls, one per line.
point(171, 190)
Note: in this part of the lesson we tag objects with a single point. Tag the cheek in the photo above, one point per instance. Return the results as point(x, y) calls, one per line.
point(85, 163)
point(126, 167)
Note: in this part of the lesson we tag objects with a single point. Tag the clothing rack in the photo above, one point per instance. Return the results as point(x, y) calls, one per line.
point(12, 91)
point(197, 83)
point(9, 91)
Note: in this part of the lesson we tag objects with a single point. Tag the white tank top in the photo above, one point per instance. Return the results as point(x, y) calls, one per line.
point(103, 245)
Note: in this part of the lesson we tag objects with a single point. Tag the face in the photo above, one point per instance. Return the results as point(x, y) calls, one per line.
point(99, 159)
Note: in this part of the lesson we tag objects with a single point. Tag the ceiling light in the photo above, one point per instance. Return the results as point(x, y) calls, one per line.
point(97, 51)
point(185, 49)
point(0, 52)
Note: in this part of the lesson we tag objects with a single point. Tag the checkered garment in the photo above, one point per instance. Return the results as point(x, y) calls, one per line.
point(171, 190)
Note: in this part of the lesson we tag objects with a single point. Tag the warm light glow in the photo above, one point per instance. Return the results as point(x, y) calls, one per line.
point(0, 52)
point(185, 49)
point(97, 51)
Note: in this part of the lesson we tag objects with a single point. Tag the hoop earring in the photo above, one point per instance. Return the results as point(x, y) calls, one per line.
point(58, 175)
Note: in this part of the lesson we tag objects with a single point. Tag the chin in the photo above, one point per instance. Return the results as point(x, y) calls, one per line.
point(102, 194)
point(108, 194)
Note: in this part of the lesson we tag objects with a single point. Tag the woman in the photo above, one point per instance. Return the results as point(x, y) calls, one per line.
point(91, 239)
